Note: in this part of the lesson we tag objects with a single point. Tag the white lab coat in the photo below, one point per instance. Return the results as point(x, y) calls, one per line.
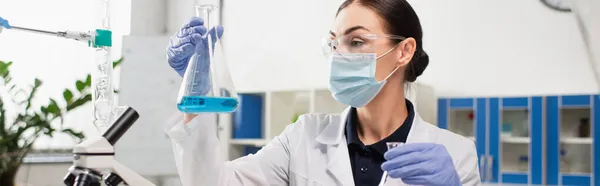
point(312, 151)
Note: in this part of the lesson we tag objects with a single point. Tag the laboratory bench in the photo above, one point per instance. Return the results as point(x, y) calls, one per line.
point(549, 140)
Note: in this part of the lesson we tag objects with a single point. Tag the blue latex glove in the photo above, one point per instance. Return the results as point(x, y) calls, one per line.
point(4, 23)
point(421, 164)
point(186, 41)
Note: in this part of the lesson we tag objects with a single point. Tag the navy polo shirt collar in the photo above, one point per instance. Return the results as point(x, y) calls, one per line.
point(400, 135)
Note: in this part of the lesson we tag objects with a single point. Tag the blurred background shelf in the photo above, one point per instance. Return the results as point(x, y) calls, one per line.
point(517, 140)
point(575, 140)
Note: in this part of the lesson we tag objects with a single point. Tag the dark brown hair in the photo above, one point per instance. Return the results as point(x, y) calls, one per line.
point(401, 20)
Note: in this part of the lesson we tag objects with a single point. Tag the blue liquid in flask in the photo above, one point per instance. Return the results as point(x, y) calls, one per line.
point(196, 104)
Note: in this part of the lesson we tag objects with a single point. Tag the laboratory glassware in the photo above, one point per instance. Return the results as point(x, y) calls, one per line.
point(207, 84)
point(103, 96)
point(390, 146)
point(583, 130)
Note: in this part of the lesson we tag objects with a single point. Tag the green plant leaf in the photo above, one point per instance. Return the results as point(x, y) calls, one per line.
point(80, 85)
point(53, 108)
point(295, 117)
point(2, 120)
point(77, 135)
point(18, 120)
point(78, 102)
point(40, 124)
point(44, 111)
point(88, 80)
point(4, 68)
point(36, 84)
point(68, 95)
point(118, 62)
point(31, 122)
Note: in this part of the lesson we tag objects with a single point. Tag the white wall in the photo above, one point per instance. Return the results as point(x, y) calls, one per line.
point(148, 17)
point(282, 38)
point(154, 100)
point(511, 47)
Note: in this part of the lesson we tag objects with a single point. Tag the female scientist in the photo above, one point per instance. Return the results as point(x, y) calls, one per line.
point(374, 47)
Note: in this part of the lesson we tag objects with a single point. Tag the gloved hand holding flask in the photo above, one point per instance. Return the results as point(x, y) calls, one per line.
point(189, 39)
point(196, 55)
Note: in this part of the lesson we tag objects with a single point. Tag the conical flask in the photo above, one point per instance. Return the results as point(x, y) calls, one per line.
point(207, 84)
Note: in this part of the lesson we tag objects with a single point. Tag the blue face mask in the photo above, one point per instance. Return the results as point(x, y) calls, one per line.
point(352, 78)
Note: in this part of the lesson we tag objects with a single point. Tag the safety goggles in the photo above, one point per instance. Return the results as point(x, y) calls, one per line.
point(359, 43)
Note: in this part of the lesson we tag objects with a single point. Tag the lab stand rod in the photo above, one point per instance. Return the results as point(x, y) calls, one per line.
point(36, 31)
point(79, 36)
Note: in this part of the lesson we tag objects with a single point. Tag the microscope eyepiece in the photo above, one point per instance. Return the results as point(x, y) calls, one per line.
point(121, 125)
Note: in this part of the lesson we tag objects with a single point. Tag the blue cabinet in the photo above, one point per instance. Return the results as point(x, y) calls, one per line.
point(572, 130)
point(529, 140)
point(248, 118)
point(467, 117)
point(515, 142)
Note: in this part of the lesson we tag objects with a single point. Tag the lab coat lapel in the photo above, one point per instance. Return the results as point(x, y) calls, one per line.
point(339, 164)
point(333, 133)
point(420, 131)
point(332, 137)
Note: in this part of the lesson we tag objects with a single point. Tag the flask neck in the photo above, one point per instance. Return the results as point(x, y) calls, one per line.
point(206, 11)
